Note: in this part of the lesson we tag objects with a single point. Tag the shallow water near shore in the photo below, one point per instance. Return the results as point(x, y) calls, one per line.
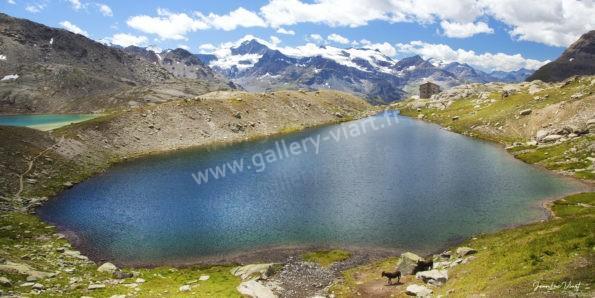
point(44, 121)
point(388, 182)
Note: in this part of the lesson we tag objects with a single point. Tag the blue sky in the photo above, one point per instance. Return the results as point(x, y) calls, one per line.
point(489, 34)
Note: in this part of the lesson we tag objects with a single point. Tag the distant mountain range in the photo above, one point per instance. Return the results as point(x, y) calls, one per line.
point(377, 77)
point(53, 70)
point(359, 70)
point(578, 59)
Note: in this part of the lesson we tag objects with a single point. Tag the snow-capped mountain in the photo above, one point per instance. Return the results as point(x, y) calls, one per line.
point(367, 72)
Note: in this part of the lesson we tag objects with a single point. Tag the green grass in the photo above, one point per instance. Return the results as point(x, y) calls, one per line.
point(326, 258)
point(30, 241)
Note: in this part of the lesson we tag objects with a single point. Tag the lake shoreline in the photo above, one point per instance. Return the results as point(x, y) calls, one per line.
point(278, 253)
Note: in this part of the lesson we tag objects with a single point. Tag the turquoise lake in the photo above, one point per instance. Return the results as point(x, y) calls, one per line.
point(404, 185)
point(44, 122)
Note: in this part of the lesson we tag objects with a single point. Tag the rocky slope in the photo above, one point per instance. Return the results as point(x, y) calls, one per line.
point(578, 59)
point(216, 117)
point(45, 70)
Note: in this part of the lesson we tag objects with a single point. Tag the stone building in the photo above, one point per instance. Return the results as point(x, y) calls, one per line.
point(426, 90)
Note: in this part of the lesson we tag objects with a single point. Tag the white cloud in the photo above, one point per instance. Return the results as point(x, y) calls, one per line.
point(331, 12)
point(285, 31)
point(240, 17)
point(337, 38)
point(275, 40)
point(76, 4)
point(464, 30)
point(105, 10)
point(316, 38)
point(125, 40)
point(183, 46)
point(167, 25)
point(35, 8)
point(384, 48)
point(11, 2)
point(207, 48)
point(485, 61)
point(552, 22)
point(73, 28)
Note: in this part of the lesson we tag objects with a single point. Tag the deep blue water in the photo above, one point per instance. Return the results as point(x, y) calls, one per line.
point(44, 122)
point(410, 185)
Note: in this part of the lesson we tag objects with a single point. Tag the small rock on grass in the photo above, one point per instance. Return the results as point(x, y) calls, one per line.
point(107, 268)
point(185, 288)
point(96, 286)
point(204, 277)
point(465, 251)
point(418, 291)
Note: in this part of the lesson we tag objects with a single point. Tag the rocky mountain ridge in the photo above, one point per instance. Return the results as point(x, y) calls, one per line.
point(578, 59)
point(49, 70)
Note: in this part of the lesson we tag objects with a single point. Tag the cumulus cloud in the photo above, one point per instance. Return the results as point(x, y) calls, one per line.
point(464, 30)
point(485, 61)
point(285, 31)
point(275, 40)
point(125, 40)
point(316, 38)
point(240, 17)
point(337, 38)
point(11, 2)
point(73, 28)
point(167, 25)
point(76, 4)
point(105, 10)
point(553, 22)
point(35, 8)
point(183, 46)
point(207, 48)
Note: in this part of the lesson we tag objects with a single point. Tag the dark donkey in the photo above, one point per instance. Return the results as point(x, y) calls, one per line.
point(391, 276)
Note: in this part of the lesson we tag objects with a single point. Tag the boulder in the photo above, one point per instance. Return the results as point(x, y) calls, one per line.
point(255, 289)
point(245, 272)
point(122, 275)
point(465, 251)
point(435, 277)
point(75, 254)
point(409, 263)
point(418, 291)
point(534, 89)
point(23, 269)
point(107, 268)
point(37, 286)
point(541, 134)
point(552, 138)
point(5, 282)
point(185, 288)
point(526, 112)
